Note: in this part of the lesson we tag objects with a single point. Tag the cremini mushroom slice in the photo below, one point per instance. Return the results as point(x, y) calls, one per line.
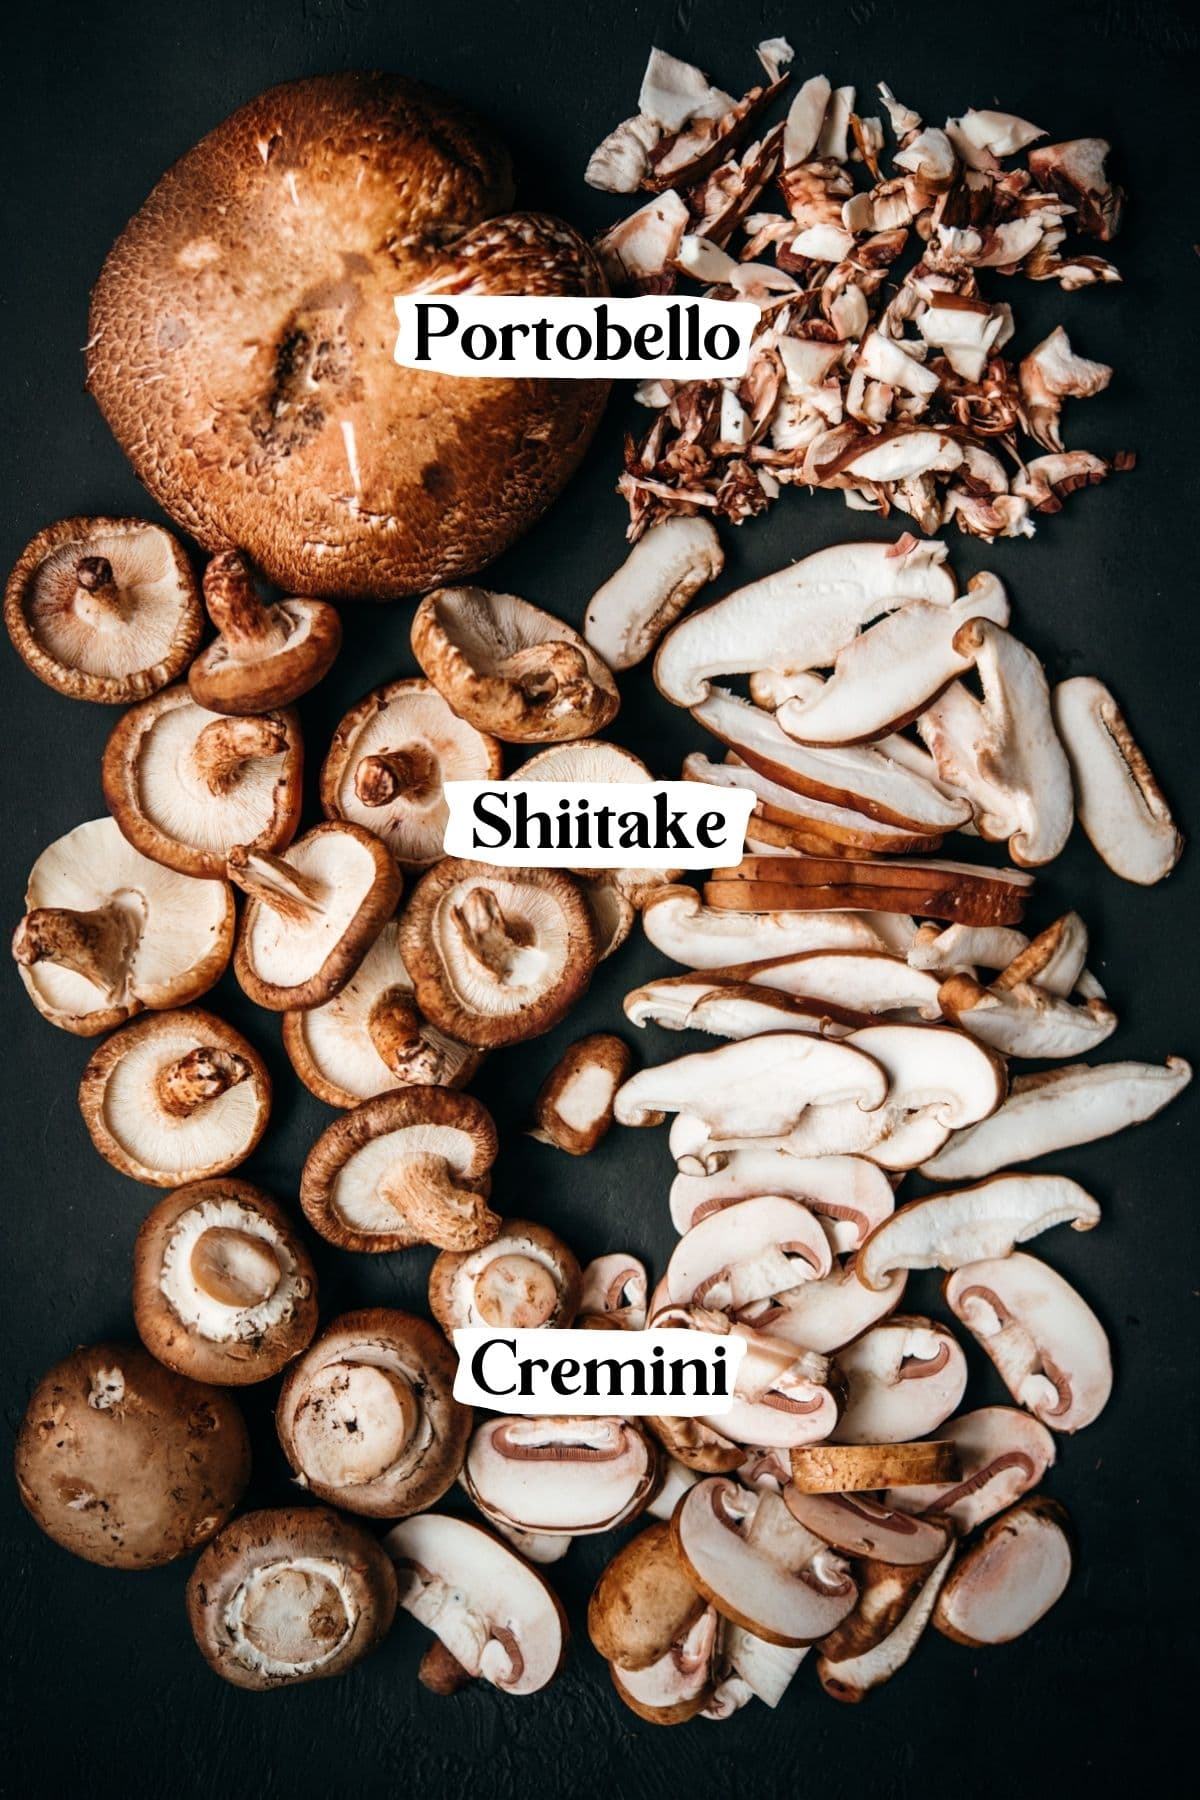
point(1057, 1109)
point(758, 1565)
point(223, 1289)
point(852, 1679)
point(755, 1087)
point(665, 568)
point(886, 1591)
point(185, 785)
point(367, 1417)
point(1024, 1019)
point(681, 1683)
point(574, 1105)
point(783, 1394)
point(511, 669)
point(1010, 1577)
point(591, 759)
point(389, 759)
point(695, 1446)
point(764, 1670)
point(406, 1167)
point(535, 1546)
point(904, 1378)
point(643, 1602)
point(1117, 799)
point(312, 915)
point(290, 1594)
point(733, 1009)
point(107, 932)
point(264, 656)
point(785, 820)
point(127, 1464)
point(372, 1037)
point(1004, 1453)
point(944, 890)
point(104, 609)
point(860, 1527)
point(862, 1468)
point(1050, 374)
point(497, 955)
point(746, 1253)
point(525, 1277)
point(973, 1224)
point(175, 1097)
point(613, 1291)
point(496, 1619)
point(827, 1314)
point(1048, 1345)
point(677, 922)
point(574, 1475)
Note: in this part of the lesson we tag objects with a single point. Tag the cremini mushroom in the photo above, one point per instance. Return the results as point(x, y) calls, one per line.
point(680, 1685)
point(126, 1463)
point(971, 1224)
point(1003, 1454)
point(784, 1394)
point(663, 571)
point(526, 1276)
point(677, 922)
point(861, 1468)
point(511, 669)
point(389, 759)
point(312, 915)
point(104, 609)
point(1010, 1577)
point(175, 1097)
point(185, 785)
point(852, 1678)
point(695, 1446)
point(573, 1475)
point(497, 955)
point(745, 1253)
point(1117, 800)
point(367, 1417)
point(223, 1289)
point(574, 1105)
point(264, 655)
point(108, 932)
point(407, 1167)
point(860, 1527)
point(290, 1594)
point(903, 1377)
point(591, 759)
point(613, 1291)
point(643, 1601)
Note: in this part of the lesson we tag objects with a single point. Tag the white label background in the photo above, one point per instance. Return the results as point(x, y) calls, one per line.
point(555, 1346)
point(691, 798)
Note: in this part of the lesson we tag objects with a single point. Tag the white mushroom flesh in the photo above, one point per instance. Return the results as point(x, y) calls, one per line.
point(99, 642)
point(626, 617)
point(503, 973)
point(905, 1378)
point(267, 1620)
point(573, 1475)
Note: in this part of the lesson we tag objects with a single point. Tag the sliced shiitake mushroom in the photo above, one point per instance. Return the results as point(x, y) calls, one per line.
point(754, 1087)
point(666, 567)
point(785, 820)
point(574, 1105)
point(264, 656)
point(677, 922)
point(1010, 1577)
point(526, 1276)
point(940, 890)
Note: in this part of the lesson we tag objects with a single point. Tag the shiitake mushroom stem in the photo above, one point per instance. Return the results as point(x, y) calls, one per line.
point(394, 1025)
point(383, 778)
point(269, 879)
point(490, 937)
point(97, 596)
point(198, 1076)
point(224, 747)
point(236, 611)
point(97, 945)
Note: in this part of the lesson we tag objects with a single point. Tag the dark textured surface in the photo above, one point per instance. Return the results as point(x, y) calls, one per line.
point(108, 1690)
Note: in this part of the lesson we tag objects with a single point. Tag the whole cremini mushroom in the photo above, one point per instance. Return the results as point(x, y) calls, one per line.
point(264, 656)
point(223, 1289)
point(126, 1463)
point(367, 1418)
point(525, 1277)
point(104, 609)
point(242, 340)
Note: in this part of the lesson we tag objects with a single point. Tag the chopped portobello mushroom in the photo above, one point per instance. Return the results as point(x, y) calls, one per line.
point(525, 1277)
point(573, 1475)
point(223, 1289)
point(367, 1417)
point(859, 1468)
point(185, 785)
point(903, 1378)
point(290, 1594)
point(574, 1106)
point(665, 568)
point(108, 933)
point(126, 1463)
point(264, 656)
point(1117, 800)
point(1010, 1577)
point(176, 1097)
point(643, 1602)
point(965, 1225)
point(1004, 1453)
point(104, 609)
point(389, 759)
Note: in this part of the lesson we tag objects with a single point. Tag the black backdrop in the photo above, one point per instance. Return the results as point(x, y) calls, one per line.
point(107, 1689)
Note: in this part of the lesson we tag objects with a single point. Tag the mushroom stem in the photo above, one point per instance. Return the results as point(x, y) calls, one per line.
point(98, 945)
point(411, 773)
point(491, 939)
point(274, 882)
point(202, 1074)
point(98, 599)
point(394, 1026)
point(549, 672)
point(236, 611)
point(235, 1268)
point(225, 746)
point(435, 1209)
point(440, 1670)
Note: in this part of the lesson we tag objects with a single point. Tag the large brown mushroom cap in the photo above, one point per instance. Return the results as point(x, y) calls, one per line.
point(290, 1594)
point(253, 296)
point(104, 609)
point(223, 1289)
point(127, 1464)
point(367, 1417)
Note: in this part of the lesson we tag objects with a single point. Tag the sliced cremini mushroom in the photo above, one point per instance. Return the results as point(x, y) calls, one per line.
point(784, 1394)
point(389, 759)
point(185, 785)
point(591, 759)
point(575, 1475)
point(1024, 1019)
point(108, 932)
point(847, 1193)
point(175, 1097)
point(104, 609)
point(264, 656)
point(613, 1290)
point(511, 669)
point(745, 1253)
point(860, 1527)
point(525, 1277)
point(678, 923)
point(290, 1594)
point(406, 1167)
point(758, 1670)
point(936, 888)
point(497, 955)
point(312, 915)
point(496, 1619)
point(643, 1602)
point(861, 1468)
point(754, 1087)
point(886, 1591)
point(1046, 1342)
point(853, 1678)
point(666, 567)
point(1003, 1454)
point(680, 1685)
point(127, 1464)
point(1117, 799)
point(827, 1314)
point(367, 1417)
point(574, 1105)
point(783, 819)
point(1010, 1577)
point(223, 1289)
point(371, 1036)
point(904, 1378)
point(972, 1224)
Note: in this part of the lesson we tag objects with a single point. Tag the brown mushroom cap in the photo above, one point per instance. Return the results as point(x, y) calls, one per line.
point(367, 1417)
point(389, 759)
point(497, 955)
point(290, 1594)
point(408, 1167)
point(126, 1463)
point(525, 1276)
point(574, 1105)
point(263, 656)
point(104, 609)
point(643, 1602)
point(253, 296)
point(223, 1289)
point(185, 785)
point(175, 1097)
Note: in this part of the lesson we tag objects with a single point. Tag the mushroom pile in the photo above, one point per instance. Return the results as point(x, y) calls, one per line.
point(878, 365)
